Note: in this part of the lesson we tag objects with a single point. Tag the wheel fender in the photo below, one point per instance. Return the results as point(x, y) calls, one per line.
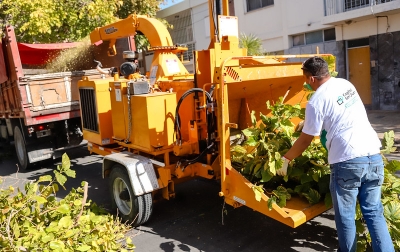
point(140, 169)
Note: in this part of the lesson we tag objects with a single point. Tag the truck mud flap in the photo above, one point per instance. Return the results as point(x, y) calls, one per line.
point(42, 152)
point(140, 169)
point(39, 155)
point(60, 151)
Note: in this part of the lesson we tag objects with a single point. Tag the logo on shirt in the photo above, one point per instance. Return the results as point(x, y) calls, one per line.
point(340, 100)
point(346, 96)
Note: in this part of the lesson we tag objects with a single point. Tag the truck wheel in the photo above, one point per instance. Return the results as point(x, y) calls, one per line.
point(134, 209)
point(20, 149)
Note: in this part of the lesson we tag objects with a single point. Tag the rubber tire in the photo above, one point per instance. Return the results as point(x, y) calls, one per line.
point(20, 149)
point(141, 208)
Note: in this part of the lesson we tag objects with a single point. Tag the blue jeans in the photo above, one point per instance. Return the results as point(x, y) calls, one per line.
point(359, 179)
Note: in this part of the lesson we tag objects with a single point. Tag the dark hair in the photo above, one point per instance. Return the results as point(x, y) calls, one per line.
point(315, 66)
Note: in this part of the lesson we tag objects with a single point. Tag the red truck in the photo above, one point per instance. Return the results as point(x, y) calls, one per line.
point(39, 111)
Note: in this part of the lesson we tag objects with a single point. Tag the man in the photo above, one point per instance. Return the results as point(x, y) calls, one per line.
point(353, 154)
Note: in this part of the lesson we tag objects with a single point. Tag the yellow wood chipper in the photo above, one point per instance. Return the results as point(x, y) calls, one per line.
point(171, 126)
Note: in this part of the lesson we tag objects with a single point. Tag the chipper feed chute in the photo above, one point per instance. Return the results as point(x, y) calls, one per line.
point(246, 84)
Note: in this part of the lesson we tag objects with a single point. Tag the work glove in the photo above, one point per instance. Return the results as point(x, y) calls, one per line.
point(283, 171)
point(299, 126)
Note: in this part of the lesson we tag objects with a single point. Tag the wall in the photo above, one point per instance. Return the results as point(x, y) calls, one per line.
point(337, 48)
point(276, 23)
point(369, 27)
point(385, 71)
point(200, 19)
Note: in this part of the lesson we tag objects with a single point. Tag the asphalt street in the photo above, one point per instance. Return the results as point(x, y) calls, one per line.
point(197, 219)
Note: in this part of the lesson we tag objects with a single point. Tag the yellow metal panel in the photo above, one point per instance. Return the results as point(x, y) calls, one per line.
point(166, 65)
point(297, 211)
point(103, 108)
point(119, 110)
point(153, 120)
point(248, 87)
point(187, 111)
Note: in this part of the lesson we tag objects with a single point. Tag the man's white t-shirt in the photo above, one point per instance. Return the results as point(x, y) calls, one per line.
point(337, 108)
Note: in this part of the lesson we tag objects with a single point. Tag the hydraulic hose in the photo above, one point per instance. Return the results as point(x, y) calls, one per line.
point(177, 122)
point(186, 162)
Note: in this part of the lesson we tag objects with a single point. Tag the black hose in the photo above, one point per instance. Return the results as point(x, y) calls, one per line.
point(186, 162)
point(177, 121)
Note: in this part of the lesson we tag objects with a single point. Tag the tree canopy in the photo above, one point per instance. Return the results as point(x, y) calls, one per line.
point(51, 21)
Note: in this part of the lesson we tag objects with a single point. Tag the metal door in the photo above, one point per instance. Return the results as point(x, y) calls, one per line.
point(359, 72)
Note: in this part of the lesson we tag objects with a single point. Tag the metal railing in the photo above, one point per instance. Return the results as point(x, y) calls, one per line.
point(188, 55)
point(338, 6)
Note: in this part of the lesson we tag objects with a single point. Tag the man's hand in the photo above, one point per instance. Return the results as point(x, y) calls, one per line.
point(283, 171)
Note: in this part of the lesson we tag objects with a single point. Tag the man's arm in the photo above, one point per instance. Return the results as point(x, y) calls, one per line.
point(299, 146)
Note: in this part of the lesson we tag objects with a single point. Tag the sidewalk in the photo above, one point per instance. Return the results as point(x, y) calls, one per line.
point(384, 121)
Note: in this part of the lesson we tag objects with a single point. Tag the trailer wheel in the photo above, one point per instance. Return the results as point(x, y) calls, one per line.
point(20, 148)
point(134, 209)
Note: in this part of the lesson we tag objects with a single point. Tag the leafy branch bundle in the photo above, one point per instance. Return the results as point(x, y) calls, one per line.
point(259, 157)
point(35, 220)
point(390, 199)
point(308, 176)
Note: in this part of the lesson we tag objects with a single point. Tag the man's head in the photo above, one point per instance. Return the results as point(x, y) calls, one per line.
point(316, 72)
point(315, 67)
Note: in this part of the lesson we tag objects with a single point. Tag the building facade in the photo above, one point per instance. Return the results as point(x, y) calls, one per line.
point(364, 35)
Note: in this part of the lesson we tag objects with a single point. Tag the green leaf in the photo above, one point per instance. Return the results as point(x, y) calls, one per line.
point(239, 149)
point(65, 162)
point(312, 196)
point(57, 245)
point(248, 132)
point(48, 237)
point(65, 222)
point(248, 167)
point(258, 192)
point(266, 174)
point(265, 119)
point(40, 199)
point(388, 142)
point(69, 233)
point(83, 248)
point(77, 202)
point(70, 173)
point(393, 166)
point(61, 179)
point(392, 211)
point(257, 168)
point(251, 141)
point(305, 178)
point(16, 230)
point(64, 209)
point(360, 226)
point(271, 201)
point(55, 188)
point(253, 118)
point(45, 178)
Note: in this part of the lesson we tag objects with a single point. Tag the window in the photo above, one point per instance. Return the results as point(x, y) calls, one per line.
point(358, 42)
point(257, 4)
point(298, 40)
point(355, 4)
point(329, 34)
point(314, 37)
